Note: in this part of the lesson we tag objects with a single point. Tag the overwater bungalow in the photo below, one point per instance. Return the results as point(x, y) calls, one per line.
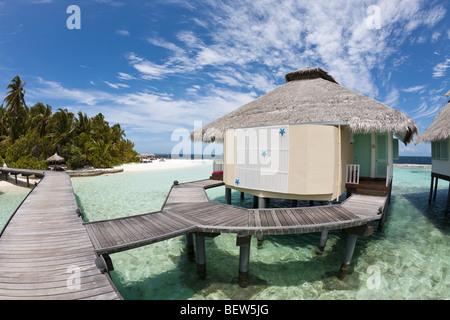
point(309, 139)
point(438, 134)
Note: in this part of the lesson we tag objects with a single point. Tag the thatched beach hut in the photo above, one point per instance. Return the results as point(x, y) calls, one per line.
point(438, 133)
point(308, 139)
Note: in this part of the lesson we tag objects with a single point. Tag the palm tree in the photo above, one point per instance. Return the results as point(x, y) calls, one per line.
point(62, 128)
point(40, 115)
point(16, 107)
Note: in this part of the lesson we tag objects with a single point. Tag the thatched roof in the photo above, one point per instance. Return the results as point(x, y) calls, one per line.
point(55, 158)
point(311, 95)
point(439, 129)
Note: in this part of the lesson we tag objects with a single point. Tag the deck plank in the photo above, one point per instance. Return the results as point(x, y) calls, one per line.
point(43, 240)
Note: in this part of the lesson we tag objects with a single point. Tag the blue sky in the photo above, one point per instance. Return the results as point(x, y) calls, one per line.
point(160, 67)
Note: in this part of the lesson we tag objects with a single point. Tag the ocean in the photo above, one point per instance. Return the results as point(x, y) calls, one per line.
point(408, 259)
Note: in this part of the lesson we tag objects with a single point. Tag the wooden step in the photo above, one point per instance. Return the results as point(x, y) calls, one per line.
point(372, 192)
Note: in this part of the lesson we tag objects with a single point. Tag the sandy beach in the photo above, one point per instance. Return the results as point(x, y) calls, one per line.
point(168, 164)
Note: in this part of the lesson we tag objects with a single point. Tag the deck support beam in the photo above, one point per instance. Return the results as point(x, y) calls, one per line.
point(244, 259)
point(323, 240)
point(228, 195)
point(200, 255)
point(190, 247)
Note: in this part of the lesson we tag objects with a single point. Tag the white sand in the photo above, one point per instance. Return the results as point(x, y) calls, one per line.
point(168, 164)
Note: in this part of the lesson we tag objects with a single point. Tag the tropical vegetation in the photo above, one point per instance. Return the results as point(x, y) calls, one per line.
point(29, 135)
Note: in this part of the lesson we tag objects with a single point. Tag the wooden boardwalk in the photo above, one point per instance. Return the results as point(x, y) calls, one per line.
point(188, 210)
point(45, 251)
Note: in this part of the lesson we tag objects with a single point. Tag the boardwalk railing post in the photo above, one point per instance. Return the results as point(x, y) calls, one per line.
point(190, 246)
point(244, 258)
point(200, 255)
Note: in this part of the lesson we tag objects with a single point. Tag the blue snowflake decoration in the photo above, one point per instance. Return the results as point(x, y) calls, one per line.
point(264, 153)
point(282, 131)
point(236, 181)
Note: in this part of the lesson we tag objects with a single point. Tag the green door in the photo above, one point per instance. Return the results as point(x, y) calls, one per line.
point(362, 153)
point(381, 158)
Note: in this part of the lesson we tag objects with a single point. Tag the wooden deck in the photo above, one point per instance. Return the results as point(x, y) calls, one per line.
point(187, 209)
point(45, 251)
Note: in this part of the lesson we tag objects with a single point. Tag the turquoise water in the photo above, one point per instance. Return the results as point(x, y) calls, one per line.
point(10, 198)
point(408, 259)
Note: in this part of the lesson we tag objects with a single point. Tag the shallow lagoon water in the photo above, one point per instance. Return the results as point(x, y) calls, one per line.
point(408, 259)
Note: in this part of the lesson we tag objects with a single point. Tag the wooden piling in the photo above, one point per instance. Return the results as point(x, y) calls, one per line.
point(448, 200)
point(261, 205)
point(242, 195)
point(228, 195)
point(190, 247)
point(200, 256)
point(244, 259)
point(435, 188)
point(351, 243)
point(323, 240)
point(431, 188)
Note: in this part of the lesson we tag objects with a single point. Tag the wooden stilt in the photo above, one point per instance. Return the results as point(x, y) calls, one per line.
point(261, 202)
point(351, 243)
point(16, 178)
point(255, 202)
point(28, 181)
point(200, 256)
point(190, 247)
point(431, 188)
point(294, 203)
point(227, 195)
point(435, 188)
point(311, 203)
point(260, 237)
point(323, 240)
point(448, 200)
point(242, 195)
point(244, 259)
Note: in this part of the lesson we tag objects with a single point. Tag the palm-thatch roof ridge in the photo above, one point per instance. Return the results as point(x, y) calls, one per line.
point(439, 129)
point(311, 95)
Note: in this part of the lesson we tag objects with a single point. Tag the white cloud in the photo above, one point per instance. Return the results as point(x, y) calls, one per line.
point(123, 32)
point(145, 111)
point(116, 85)
point(441, 68)
point(286, 35)
point(125, 76)
point(414, 89)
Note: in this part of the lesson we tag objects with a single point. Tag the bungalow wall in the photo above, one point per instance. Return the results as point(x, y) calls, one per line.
point(440, 151)
point(311, 159)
